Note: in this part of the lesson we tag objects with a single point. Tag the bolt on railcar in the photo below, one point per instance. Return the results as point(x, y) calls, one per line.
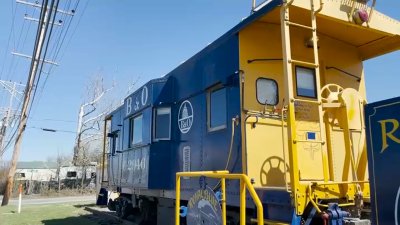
point(272, 109)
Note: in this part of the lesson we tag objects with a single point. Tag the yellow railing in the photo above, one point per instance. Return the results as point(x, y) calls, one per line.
point(245, 184)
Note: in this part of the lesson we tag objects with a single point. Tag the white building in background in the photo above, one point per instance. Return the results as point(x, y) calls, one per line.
point(47, 171)
point(36, 171)
point(75, 172)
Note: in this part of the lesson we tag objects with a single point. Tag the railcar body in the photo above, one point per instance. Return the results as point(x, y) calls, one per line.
point(383, 135)
point(278, 98)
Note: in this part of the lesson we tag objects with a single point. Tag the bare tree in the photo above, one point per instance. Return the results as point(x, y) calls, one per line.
point(61, 159)
point(91, 113)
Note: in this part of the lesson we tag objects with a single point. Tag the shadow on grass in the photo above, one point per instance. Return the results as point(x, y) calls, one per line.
point(85, 205)
point(83, 219)
point(95, 217)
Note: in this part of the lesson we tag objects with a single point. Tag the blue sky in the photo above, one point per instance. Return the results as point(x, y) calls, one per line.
point(124, 40)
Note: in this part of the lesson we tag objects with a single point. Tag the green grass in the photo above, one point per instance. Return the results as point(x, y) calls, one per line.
point(53, 214)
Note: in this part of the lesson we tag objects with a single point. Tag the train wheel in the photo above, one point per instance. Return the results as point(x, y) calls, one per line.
point(118, 209)
point(122, 208)
point(147, 214)
point(111, 205)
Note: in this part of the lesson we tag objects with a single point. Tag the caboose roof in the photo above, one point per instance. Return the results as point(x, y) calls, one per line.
point(380, 36)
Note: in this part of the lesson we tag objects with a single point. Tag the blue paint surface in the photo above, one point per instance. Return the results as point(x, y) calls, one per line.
point(382, 120)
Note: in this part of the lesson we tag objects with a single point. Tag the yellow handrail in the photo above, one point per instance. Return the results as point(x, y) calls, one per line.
point(245, 184)
point(321, 6)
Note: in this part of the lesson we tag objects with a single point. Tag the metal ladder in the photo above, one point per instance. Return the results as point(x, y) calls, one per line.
point(288, 71)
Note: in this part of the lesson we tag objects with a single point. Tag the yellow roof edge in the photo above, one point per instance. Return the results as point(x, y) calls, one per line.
point(341, 9)
point(380, 47)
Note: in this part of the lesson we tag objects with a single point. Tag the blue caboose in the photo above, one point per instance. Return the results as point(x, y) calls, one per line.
point(275, 107)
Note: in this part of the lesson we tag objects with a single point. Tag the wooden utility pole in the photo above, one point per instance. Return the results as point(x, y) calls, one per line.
point(44, 20)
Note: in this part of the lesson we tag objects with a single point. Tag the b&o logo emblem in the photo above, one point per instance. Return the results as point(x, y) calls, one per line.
point(185, 117)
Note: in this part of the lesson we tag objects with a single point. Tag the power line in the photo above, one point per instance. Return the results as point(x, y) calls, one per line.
point(53, 130)
point(40, 40)
point(8, 41)
point(51, 17)
point(56, 120)
point(59, 42)
point(11, 139)
point(14, 8)
point(45, 53)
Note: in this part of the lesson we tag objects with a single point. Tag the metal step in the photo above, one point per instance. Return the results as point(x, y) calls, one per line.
point(304, 63)
point(310, 141)
point(299, 25)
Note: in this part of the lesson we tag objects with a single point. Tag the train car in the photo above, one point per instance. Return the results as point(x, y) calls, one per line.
point(273, 109)
point(383, 135)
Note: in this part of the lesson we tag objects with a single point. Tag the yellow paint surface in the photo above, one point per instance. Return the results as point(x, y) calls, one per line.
point(336, 122)
point(262, 41)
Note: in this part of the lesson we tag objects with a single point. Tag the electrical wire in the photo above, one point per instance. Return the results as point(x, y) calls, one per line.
point(77, 25)
point(8, 41)
point(60, 42)
point(55, 46)
point(41, 21)
point(52, 130)
point(9, 38)
point(56, 120)
point(45, 51)
point(11, 139)
point(48, 36)
point(64, 17)
point(14, 8)
point(234, 121)
point(25, 38)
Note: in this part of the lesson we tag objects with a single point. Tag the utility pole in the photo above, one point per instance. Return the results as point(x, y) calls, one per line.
point(45, 16)
point(11, 87)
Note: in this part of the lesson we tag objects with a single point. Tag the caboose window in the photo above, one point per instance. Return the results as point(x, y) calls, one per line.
point(217, 109)
point(162, 124)
point(305, 82)
point(114, 142)
point(135, 130)
point(267, 91)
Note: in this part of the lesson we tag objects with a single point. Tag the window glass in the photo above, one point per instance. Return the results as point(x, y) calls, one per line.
point(136, 130)
point(114, 141)
point(267, 91)
point(217, 111)
point(162, 123)
point(112, 145)
point(71, 174)
point(305, 78)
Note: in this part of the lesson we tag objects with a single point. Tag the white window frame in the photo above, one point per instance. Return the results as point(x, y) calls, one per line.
point(131, 130)
point(220, 127)
point(277, 90)
point(155, 124)
point(315, 82)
